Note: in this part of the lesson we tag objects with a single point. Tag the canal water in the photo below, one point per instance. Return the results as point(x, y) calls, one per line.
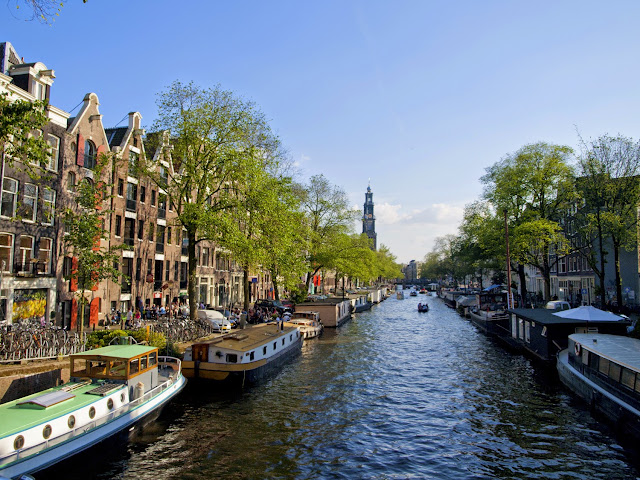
point(392, 394)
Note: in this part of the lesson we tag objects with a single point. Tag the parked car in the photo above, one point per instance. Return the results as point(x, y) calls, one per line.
point(216, 320)
point(558, 305)
point(271, 304)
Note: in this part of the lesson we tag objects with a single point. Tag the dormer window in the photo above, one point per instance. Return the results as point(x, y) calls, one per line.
point(89, 154)
point(38, 90)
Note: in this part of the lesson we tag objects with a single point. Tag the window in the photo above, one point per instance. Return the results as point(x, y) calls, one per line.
point(67, 265)
point(26, 252)
point(614, 371)
point(205, 256)
point(138, 269)
point(9, 197)
point(143, 193)
point(71, 181)
point(38, 90)
point(48, 205)
point(153, 198)
point(176, 271)
point(30, 202)
point(149, 266)
point(628, 378)
point(167, 270)
point(604, 366)
point(89, 154)
point(168, 235)
point(6, 247)
point(54, 143)
point(140, 229)
point(152, 231)
point(133, 163)
point(44, 254)
point(120, 187)
point(118, 225)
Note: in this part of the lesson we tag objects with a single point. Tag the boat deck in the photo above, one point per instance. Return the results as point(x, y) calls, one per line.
point(251, 337)
point(16, 418)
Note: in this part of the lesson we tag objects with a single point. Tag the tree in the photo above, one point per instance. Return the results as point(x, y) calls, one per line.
point(328, 216)
point(216, 140)
point(610, 187)
point(18, 122)
point(84, 232)
point(535, 186)
point(43, 10)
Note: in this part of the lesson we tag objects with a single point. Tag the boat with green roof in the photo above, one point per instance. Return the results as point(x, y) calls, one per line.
point(110, 389)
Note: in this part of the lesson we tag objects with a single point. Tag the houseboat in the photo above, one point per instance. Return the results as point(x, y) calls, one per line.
point(309, 324)
point(400, 295)
point(489, 313)
point(110, 389)
point(362, 304)
point(604, 370)
point(243, 357)
point(333, 311)
point(542, 333)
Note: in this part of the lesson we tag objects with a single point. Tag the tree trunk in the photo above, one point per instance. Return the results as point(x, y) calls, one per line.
point(245, 288)
point(523, 282)
point(191, 288)
point(601, 275)
point(616, 259)
point(276, 290)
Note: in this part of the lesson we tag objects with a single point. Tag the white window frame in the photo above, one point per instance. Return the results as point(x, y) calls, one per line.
point(9, 192)
point(7, 268)
point(26, 262)
point(48, 204)
point(47, 263)
point(54, 143)
point(35, 201)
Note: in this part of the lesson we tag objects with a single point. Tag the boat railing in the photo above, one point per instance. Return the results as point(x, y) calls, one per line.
point(171, 362)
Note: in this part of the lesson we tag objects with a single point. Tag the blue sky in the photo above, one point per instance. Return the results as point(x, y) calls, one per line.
point(418, 96)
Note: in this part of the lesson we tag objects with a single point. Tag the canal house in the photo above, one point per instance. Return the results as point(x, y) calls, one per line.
point(543, 333)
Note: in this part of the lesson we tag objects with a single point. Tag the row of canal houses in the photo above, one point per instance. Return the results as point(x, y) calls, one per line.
point(32, 261)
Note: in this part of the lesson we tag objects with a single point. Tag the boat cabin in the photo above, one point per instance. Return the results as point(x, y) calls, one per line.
point(333, 311)
point(542, 334)
point(611, 361)
point(118, 364)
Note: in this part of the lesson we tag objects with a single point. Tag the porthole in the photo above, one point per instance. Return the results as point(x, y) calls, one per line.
point(122, 397)
point(72, 421)
point(92, 412)
point(18, 443)
point(46, 431)
point(110, 403)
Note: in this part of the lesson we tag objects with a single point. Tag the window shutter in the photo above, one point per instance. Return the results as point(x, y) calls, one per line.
point(73, 285)
point(80, 151)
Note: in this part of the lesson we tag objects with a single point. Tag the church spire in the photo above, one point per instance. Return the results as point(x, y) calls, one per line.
point(368, 218)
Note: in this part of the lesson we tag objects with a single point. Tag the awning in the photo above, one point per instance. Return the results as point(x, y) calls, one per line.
point(589, 314)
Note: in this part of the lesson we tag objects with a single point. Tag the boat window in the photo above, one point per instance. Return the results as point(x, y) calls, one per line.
point(71, 422)
point(118, 368)
point(46, 432)
point(251, 356)
point(264, 350)
point(232, 358)
point(283, 341)
point(544, 331)
point(604, 366)
point(585, 356)
point(614, 371)
point(153, 358)
point(274, 345)
point(18, 443)
point(79, 367)
point(143, 363)
point(638, 384)
point(594, 361)
point(97, 368)
point(628, 378)
point(291, 337)
point(134, 366)
point(110, 403)
point(92, 412)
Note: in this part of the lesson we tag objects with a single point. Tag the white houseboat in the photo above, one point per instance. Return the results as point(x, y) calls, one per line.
point(111, 388)
point(309, 324)
point(245, 356)
point(604, 370)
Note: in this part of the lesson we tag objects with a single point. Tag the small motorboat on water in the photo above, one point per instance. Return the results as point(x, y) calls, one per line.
point(423, 307)
point(413, 293)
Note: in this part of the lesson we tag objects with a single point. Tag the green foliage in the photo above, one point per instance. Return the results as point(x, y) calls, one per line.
point(18, 122)
point(102, 338)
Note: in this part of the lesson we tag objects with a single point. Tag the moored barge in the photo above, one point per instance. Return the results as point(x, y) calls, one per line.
point(245, 356)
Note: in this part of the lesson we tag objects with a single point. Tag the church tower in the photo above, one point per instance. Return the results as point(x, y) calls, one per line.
point(368, 219)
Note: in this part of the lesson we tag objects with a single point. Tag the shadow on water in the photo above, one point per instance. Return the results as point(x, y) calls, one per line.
point(391, 394)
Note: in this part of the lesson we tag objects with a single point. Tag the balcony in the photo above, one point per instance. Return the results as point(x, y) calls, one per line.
point(131, 205)
point(159, 247)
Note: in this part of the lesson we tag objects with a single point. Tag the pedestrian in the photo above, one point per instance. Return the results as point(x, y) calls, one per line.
point(130, 316)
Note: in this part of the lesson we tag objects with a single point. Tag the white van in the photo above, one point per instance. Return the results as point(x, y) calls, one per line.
point(216, 319)
point(558, 305)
